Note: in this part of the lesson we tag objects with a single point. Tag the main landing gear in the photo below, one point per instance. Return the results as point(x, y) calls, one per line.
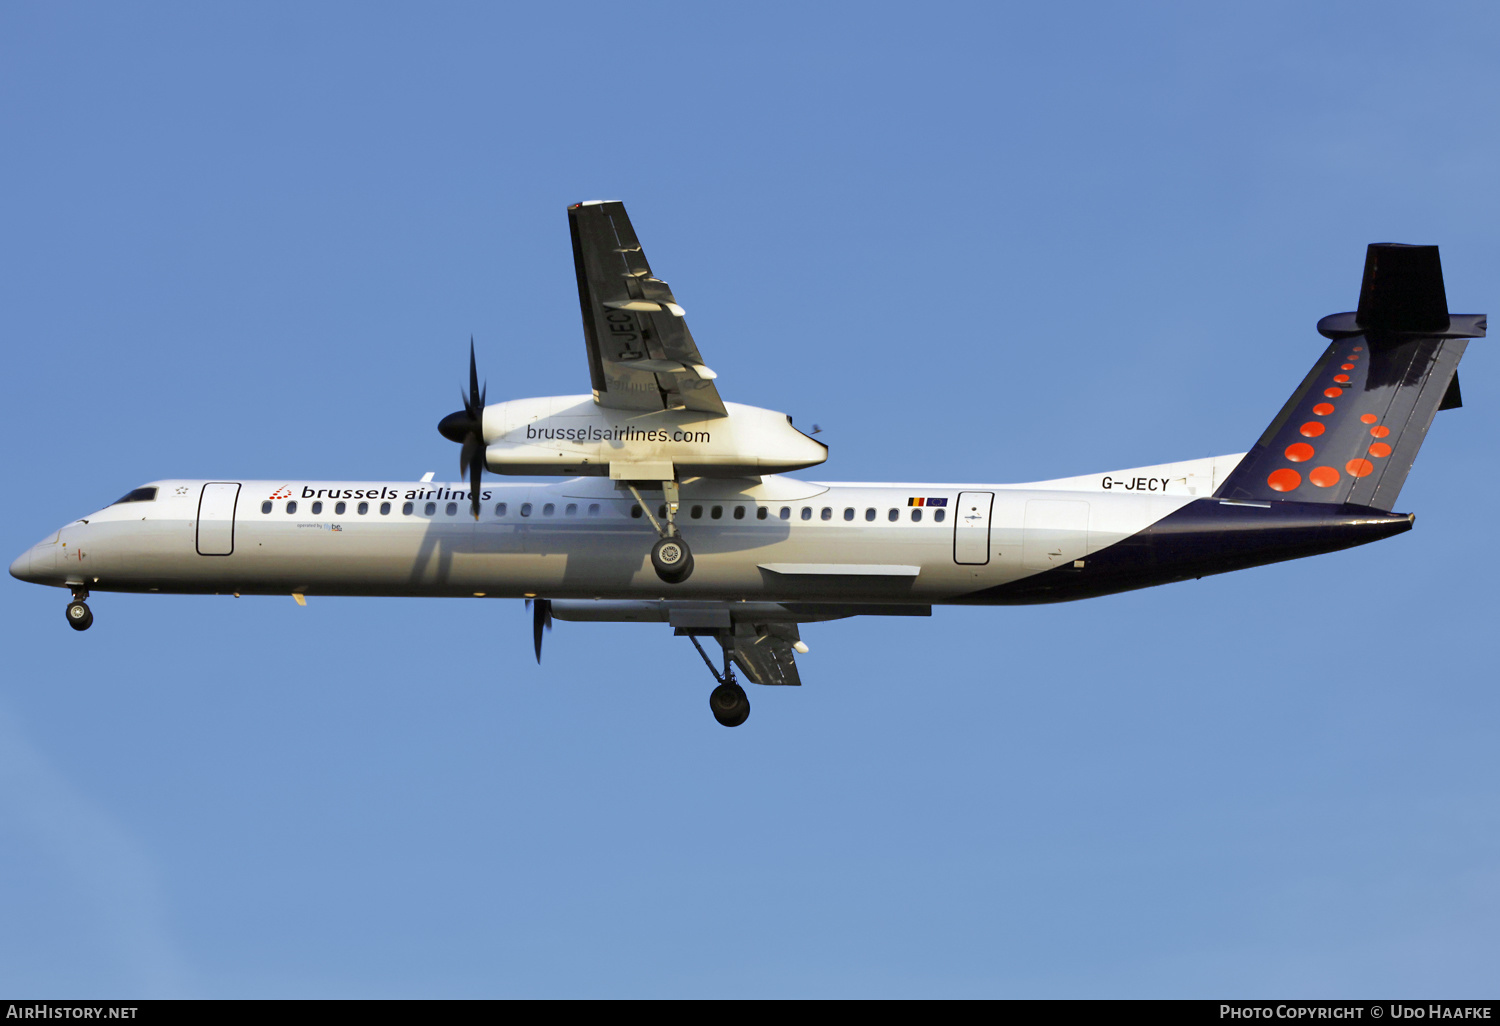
point(80, 616)
point(670, 556)
point(728, 702)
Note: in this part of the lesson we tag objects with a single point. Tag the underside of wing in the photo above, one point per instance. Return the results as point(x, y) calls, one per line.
point(641, 354)
point(764, 652)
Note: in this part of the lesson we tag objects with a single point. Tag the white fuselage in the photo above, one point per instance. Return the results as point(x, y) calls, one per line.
point(775, 539)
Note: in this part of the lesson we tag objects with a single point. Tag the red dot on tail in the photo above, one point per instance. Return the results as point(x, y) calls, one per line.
point(1359, 468)
point(1323, 409)
point(1323, 477)
point(1333, 393)
point(1380, 431)
point(1380, 449)
point(1299, 452)
point(1312, 429)
point(1284, 480)
point(1368, 418)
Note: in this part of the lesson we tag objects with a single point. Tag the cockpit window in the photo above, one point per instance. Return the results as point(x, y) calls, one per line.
point(139, 495)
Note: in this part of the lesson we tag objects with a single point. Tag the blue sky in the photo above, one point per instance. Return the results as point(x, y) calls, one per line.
point(974, 243)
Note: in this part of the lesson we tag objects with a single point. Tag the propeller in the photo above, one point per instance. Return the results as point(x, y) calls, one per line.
point(541, 618)
point(466, 427)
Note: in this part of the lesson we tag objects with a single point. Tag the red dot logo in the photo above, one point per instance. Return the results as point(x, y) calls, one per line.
point(1284, 480)
point(1346, 366)
point(1323, 409)
point(1368, 418)
point(1312, 429)
point(1380, 450)
point(1342, 379)
point(1359, 468)
point(1299, 452)
point(1323, 477)
point(1333, 393)
point(1380, 431)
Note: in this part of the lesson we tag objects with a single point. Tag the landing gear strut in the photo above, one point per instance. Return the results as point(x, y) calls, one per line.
point(80, 617)
point(728, 702)
point(670, 556)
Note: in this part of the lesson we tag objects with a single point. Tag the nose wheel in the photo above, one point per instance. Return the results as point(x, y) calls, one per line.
point(80, 616)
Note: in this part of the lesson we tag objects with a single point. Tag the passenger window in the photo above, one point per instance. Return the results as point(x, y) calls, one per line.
point(317, 508)
point(548, 510)
point(894, 515)
point(265, 507)
point(429, 509)
point(572, 509)
point(916, 515)
point(385, 509)
point(786, 512)
point(739, 512)
point(716, 512)
point(848, 512)
point(291, 507)
point(525, 509)
point(339, 507)
point(806, 512)
point(593, 509)
point(761, 513)
point(827, 513)
point(938, 514)
point(499, 509)
point(870, 513)
point(697, 512)
point(451, 509)
point(362, 508)
point(406, 509)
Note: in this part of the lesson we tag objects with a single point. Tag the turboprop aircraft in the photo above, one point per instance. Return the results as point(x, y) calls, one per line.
point(671, 505)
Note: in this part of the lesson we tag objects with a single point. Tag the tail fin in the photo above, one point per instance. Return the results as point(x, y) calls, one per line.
point(1351, 431)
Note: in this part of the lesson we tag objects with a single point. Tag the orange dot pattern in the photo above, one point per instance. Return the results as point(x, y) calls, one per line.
point(1285, 479)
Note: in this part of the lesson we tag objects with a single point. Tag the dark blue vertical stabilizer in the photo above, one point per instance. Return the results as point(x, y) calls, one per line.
point(1351, 431)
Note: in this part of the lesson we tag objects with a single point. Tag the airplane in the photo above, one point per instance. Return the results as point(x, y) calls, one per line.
point(671, 505)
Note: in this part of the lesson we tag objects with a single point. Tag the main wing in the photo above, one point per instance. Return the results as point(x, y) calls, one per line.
point(641, 354)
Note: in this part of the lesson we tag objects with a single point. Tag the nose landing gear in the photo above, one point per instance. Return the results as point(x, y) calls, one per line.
point(728, 702)
point(80, 616)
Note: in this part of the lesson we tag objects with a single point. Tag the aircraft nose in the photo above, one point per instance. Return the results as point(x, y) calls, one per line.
point(20, 568)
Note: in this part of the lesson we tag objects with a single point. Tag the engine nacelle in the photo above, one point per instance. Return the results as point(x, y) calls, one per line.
point(574, 436)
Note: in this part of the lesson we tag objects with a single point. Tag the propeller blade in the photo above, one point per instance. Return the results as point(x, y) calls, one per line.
point(468, 454)
point(476, 469)
point(475, 405)
point(541, 617)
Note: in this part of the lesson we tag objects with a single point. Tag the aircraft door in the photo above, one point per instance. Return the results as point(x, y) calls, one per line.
point(971, 528)
point(216, 518)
